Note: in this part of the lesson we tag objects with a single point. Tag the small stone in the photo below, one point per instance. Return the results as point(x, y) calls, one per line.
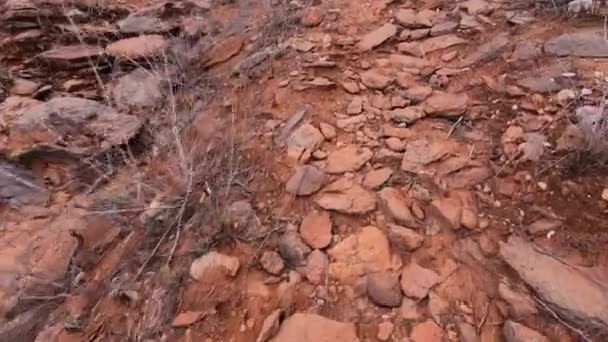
point(270, 326)
point(72, 85)
point(438, 308)
point(410, 49)
point(542, 185)
point(377, 37)
point(347, 159)
point(412, 19)
point(416, 281)
point(467, 332)
point(605, 194)
point(23, 87)
point(395, 144)
point(328, 131)
point(374, 80)
point(427, 331)
point(444, 28)
point(395, 205)
point(316, 267)
point(311, 327)
point(187, 318)
point(350, 87)
point(306, 181)
point(313, 16)
point(272, 263)
point(450, 210)
point(488, 247)
point(418, 211)
point(446, 104)
point(211, 263)
point(316, 229)
point(293, 249)
point(385, 330)
point(516, 332)
point(419, 34)
point(399, 102)
point(418, 94)
point(140, 47)
point(347, 197)
point(408, 115)
point(564, 97)
point(383, 289)
point(355, 107)
point(376, 178)
point(404, 239)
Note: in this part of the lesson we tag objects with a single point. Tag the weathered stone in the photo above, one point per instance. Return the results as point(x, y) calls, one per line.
point(316, 267)
point(385, 330)
point(223, 51)
point(410, 49)
point(568, 291)
point(306, 181)
point(444, 28)
point(377, 37)
point(376, 178)
point(416, 281)
point(578, 44)
point(418, 94)
point(446, 104)
point(302, 327)
point(347, 159)
point(214, 263)
point(396, 206)
point(409, 310)
point(306, 137)
point(313, 16)
point(71, 57)
point(140, 47)
point(408, 115)
point(395, 144)
point(403, 61)
point(441, 42)
point(346, 197)
point(138, 90)
point(488, 51)
point(316, 229)
point(365, 252)
point(23, 87)
point(374, 80)
point(412, 19)
point(383, 289)
point(328, 131)
point(404, 239)
point(355, 107)
point(449, 210)
point(293, 249)
point(272, 263)
point(420, 153)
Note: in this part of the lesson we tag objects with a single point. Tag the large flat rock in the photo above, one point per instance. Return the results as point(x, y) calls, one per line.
point(568, 290)
point(578, 44)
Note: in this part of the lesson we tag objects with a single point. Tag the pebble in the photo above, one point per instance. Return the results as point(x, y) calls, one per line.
point(542, 185)
point(316, 229)
point(383, 289)
point(272, 263)
point(605, 194)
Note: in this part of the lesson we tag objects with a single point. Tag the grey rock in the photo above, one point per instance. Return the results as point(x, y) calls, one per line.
point(139, 89)
point(383, 289)
point(305, 181)
point(578, 44)
point(293, 249)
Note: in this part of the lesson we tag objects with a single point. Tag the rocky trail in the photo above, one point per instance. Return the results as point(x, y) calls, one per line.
point(216, 170)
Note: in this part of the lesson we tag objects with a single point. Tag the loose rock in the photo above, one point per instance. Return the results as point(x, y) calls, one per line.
point(212, 263)
point(404, 239)
point(383, 289)
point(140, 47)
point(395, 144)
point(316, 229)
point(408, 115)
point(314, 328)
point(346, 197)
point(411, 19)
point(23, 87)
point(306, 181)
point(377, 37)
point(441, 42)
point(347, 159)
point(223, 51)
point(359, 254)
point(293, 249)
point(376, 178)
point(316, 267)
point(416, 281)
point(313, 16)
point(396, 206)
point(328, 131)
point(450, 211)
point(272, 263)
point(138, 89)
point(578, 44)
point(418, 94)
point(446, 104)
point(374, 80)
point(355, 107)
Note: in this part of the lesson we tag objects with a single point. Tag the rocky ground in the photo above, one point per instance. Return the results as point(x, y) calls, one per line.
point(207, 170)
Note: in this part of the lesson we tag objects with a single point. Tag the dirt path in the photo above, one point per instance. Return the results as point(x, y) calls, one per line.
point(324, 171)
